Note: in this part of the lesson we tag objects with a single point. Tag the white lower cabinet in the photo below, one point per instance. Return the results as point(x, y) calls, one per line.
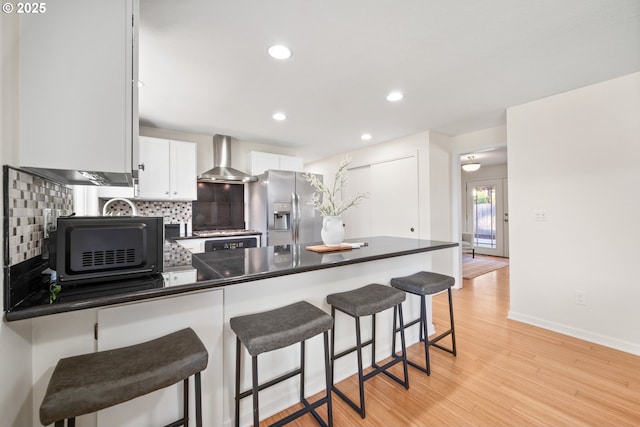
point(138, 322)
point(53, 338)
point(71, 334)
point(167, 170)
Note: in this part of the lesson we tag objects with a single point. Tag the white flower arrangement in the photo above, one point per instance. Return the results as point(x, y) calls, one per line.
point(329, 201)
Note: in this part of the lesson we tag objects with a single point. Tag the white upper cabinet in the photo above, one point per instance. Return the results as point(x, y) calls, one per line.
point(260, 162)
point(167, 170)
point(78, 86)
point(290, 163)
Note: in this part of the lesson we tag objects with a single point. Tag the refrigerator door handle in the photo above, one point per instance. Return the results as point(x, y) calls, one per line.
point(295, 220)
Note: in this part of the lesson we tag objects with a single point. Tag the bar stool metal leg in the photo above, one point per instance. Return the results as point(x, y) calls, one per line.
point(272, 330)
point(237, 408)
point(361, 408)
point(254, 377)
point(198, 399)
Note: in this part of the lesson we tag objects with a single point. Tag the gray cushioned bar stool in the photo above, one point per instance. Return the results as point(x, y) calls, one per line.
point(275, 329)
point(422, 284)
point(367, 301)
point(90, 382)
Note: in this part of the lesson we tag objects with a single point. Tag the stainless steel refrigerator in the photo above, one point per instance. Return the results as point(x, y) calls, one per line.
point(280, 206)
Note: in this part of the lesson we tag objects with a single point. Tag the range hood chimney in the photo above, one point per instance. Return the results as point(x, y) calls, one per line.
point(222, 171)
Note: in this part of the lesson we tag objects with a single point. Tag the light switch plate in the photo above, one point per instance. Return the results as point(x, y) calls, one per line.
point(541, 215)
point(48, 222)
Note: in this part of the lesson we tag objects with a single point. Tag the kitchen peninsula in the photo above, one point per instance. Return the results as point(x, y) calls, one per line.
point(229, 283)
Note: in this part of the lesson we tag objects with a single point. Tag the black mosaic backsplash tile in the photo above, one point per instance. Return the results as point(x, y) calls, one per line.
point(172, 212)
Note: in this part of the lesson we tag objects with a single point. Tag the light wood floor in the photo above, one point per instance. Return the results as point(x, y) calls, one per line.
point(506, 374)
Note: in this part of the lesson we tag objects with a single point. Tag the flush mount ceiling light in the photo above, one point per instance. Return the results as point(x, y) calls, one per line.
point(472, 166)
point(365, 137)
point(279, 116)
point(280, 52)
point(395, 96)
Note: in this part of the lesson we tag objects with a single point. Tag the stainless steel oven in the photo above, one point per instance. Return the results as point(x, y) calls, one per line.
point(226, 243)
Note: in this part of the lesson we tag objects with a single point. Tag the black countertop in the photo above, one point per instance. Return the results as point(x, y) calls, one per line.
point(222, 268)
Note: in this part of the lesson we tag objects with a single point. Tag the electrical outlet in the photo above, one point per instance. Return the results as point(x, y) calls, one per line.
point(579, 297)
point(48, 222)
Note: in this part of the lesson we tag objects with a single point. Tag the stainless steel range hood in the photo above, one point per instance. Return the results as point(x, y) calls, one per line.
point(222, 171)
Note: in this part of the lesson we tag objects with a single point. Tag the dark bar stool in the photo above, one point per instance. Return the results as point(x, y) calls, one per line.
point(90, 382)
point(367, 301)
point(279, 328)
point(422, 284)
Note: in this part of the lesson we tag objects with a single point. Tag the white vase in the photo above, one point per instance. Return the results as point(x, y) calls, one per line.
point(332, 231)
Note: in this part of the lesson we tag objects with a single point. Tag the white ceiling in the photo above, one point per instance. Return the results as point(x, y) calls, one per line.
point(460, 64)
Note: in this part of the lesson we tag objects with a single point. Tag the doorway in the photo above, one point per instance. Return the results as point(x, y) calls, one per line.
point(487, 216)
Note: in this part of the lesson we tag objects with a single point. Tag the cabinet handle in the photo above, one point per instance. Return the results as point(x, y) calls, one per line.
point(175, 192)
point(141, 166)
point(412, 229)
point(166, 192)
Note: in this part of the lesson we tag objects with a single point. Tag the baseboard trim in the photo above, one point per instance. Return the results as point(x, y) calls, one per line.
point(617, 344)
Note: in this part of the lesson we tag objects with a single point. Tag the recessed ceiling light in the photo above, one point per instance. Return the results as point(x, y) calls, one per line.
point(395, 96)
point(279, 116)
point(365, 136)
point(280, 52)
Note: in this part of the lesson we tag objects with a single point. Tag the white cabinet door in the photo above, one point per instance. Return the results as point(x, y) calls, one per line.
point(290, 163)
point(154, 181)
point(168, 170)
point(54, 337)
point(183, 170)
point(135, 323)
point(261, 162)
point(76, 92)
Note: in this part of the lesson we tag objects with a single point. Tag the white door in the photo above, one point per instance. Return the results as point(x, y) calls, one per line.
point(394, 198)
point(392, 206)
point(357, 220)
point(505, 218)
point(486, 215)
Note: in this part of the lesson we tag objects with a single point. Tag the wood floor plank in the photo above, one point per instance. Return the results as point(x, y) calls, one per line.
point(506, 373)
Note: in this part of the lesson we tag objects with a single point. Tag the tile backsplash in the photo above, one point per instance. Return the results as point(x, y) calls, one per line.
point(172, 212)
point(26, 196)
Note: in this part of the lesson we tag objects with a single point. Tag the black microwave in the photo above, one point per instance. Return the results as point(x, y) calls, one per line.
point(105, 248)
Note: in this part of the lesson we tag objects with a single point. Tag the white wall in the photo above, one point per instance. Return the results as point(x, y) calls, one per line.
point(15, 338)
point(575, 156)
point(440, 203)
